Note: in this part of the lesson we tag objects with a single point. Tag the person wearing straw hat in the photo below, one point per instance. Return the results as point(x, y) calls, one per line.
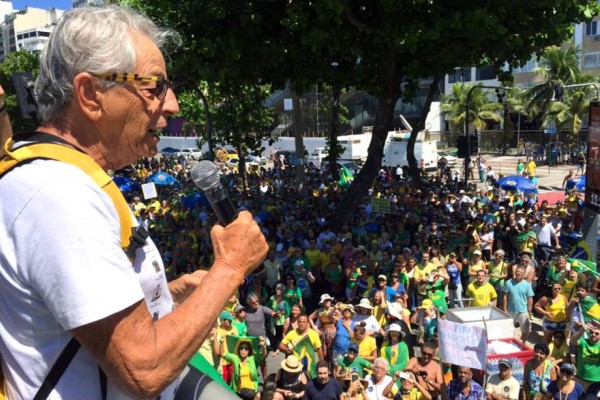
point(291, 380)
point(344, 331)
point(395, 350)
point(326, 316)
point(364, 314)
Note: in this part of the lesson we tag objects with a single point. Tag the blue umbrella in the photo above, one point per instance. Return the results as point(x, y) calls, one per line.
point(191, 199)
point(126, 184)
point(516, 182)
point(164, 179)
point(577, 183)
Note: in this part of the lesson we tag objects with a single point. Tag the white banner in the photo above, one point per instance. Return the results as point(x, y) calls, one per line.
point(462, 345)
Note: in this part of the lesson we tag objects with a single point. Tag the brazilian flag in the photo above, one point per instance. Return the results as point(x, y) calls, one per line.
point(233, 342)
point(583, 266)
point(590, 309)
point(581, 251)
point(346, 177)
point(305, 351)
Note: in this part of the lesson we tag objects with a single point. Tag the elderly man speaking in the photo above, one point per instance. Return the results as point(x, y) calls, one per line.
point(65, 281)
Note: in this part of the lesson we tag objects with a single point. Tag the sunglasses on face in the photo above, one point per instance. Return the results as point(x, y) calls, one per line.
point(160, 88)
point(566, 372)
point(244, 349)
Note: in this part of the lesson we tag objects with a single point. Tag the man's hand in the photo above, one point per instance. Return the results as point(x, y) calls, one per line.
point(240, 245)
point(183, 286)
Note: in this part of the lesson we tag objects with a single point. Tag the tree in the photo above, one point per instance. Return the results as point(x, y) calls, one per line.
point(383, 47)
point(481, 109)
point(20, 61)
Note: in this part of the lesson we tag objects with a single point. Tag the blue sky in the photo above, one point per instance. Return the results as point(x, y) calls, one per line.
point(60, 4)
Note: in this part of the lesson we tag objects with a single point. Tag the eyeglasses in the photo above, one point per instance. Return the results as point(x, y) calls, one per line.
point(566, 372)
point(160, 89)
point(595, 333)
point(244, 348)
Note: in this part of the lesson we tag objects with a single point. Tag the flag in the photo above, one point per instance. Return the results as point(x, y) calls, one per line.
point(583, 266)
point(233, 342)
point(346, 177)
point(590, 309)
point(305, 351)
point(581, 251)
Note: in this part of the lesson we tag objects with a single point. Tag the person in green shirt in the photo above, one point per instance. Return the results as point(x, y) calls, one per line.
point(588, 357)
point(395, 350)
point(436, 289)
point(239, 322)
point(245, 373)
point(351, 363)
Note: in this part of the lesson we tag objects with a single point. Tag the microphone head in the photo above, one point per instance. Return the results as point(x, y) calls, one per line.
point(205, 175)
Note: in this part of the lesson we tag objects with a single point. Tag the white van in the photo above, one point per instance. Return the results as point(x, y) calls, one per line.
point(395, 154)
point(355, 149)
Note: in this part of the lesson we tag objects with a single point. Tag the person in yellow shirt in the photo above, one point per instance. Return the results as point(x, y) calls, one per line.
point(367, 347)
point(289, 343)
point(422, 273)
point(314, 256)
point(481, 291)
point(476, 264)
point(530, 167)
point(554, 310)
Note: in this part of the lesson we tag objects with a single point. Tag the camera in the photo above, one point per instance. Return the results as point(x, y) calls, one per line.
point(422, 374)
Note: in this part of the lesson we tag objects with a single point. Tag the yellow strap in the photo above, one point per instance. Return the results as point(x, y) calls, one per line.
point(71, 156)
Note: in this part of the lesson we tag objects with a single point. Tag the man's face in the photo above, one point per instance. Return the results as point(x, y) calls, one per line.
point(594, 335)
point(504, 371)
point(519, 272)
point(425, 258)
point(132, 113)
point(253, 303)
point(379, 372)
point(480, 277)
point(302, 323)
point(323, 375)
point(464, 374)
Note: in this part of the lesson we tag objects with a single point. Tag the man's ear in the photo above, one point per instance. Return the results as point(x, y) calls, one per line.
point(88, 96)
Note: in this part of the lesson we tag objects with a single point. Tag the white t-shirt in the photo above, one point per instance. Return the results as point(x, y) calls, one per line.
point(374, 391)
point(62, 267)
point(544, 234)
point(508, 389)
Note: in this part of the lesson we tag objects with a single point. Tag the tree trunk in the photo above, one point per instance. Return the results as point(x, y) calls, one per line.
point(242, 167)
point(335, 111)
point(413, 167)
point(298, 131)
point(362, 182)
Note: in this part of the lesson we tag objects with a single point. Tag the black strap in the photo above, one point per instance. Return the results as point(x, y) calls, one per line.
point(58, 369)
point(103, 383)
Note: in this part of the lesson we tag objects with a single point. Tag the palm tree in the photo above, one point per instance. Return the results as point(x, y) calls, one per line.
point(481, 109)
point(558, 66)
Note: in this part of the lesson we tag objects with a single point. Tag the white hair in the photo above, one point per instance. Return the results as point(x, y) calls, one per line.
point(90, 39)
point(383, 362)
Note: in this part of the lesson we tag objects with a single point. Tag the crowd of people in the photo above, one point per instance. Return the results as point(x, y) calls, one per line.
point(367, 294)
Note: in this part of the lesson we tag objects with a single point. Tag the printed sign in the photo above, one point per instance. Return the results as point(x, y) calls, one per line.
point(461, 344)
point(149, 190)
point(381, 206)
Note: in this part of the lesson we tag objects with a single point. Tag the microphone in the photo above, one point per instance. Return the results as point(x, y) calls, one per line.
point(206, 176)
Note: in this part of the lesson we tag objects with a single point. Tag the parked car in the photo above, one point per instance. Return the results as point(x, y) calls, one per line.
point(191, 153)
point(452, 161)
point(169, 152)
point(255, 159)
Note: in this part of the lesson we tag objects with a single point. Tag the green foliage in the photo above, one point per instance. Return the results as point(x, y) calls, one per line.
point(481, 109)
point(20, 61)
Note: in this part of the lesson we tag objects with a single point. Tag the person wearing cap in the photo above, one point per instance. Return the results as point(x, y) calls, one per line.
point(476, 263)
point(587, 341)
point(351, 363)
point(291, 381)
point(428, 371)
point(323, 387)
point(481, 291)
point(388, 293)
point(394, 349)
point(503, 385)
point(225, 329)
point(426, 319)
point(323, 320)
point(239, 322)
point(565, 387)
